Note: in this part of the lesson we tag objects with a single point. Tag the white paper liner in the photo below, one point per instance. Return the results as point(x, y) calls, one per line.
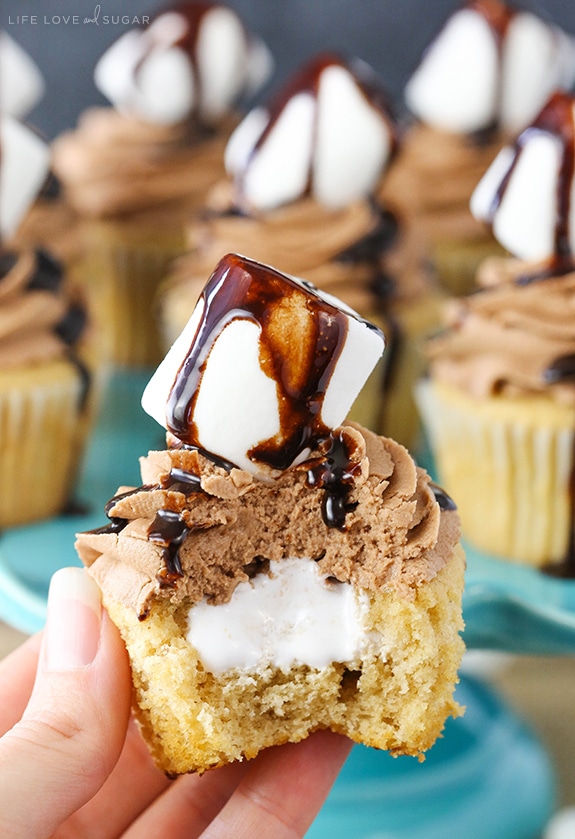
point(509, 478)
point(39, 448)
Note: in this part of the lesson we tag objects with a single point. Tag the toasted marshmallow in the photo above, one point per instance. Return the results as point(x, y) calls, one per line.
point(196, 60)
point(293, 616)
point(21, 83)
point(265, 367)
point(328, 134)
point(528, 193)
point(490, 65)
point(24, 164)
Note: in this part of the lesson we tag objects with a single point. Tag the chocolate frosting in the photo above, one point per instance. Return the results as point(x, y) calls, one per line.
point(185, 540)
point(114, 164)
point(434, 177)
point(38, 321)
point(515, 336)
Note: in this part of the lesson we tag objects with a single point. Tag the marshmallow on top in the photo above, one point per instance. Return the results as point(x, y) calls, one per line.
point(24, 165)
point(21, 82)
point(265, 368)
point(193, 60)
point(328, 133)
point(490, 66)
point(24, 157)
point(528, 193)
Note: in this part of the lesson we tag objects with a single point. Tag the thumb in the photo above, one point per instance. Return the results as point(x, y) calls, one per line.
point(72, 732)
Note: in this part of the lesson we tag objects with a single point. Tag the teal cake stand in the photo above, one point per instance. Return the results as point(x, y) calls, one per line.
point(487, 778)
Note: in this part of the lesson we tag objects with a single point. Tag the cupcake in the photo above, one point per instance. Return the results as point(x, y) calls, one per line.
point(483, 79)
point(500, 400)
point(45, 381)
point(135, 173)
point(285, 573)
point(302, 175)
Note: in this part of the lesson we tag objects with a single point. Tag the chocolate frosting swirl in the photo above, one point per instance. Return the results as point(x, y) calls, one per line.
point(515, 336)
point(114, 164)
point(38, 321)
point(434, 177)
point(219, 527)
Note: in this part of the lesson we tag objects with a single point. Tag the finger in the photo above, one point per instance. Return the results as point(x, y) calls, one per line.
point(133, 785)
point(189, 805)
point(284, 790)
point(73, 729)
point(17, 674)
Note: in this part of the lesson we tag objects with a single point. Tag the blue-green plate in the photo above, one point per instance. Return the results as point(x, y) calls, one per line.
point(516, 608)
point(487, 778)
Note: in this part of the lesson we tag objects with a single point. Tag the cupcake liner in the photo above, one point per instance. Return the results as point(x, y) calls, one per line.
point(122, 270)
point(508, 464)
point(42, 429)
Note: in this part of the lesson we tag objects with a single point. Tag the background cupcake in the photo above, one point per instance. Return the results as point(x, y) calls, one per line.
point(500, 402)
point(46, 392)
point(303, 173)
point(138, 171)
point(482, 80)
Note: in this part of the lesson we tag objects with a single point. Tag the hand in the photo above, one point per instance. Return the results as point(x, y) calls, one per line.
point(73, 764)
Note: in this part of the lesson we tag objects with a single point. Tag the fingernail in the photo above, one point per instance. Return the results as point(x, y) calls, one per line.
point(72, 632)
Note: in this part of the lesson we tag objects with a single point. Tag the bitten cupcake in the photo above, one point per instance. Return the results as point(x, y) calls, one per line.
point(483, 79)
point(137, 172)
point(278, 572)
point(302, 175)
point(500, 401)
point(45, 378)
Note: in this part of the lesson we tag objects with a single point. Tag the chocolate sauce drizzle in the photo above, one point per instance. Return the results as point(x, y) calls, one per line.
point(335, 472)
point(307, 80)
point(168, 529)
point(560, 370)
point(193, 13)
point(48, 274)
point(381, 238)
point(178, 480)
point(240, 288)
point(443, 499)
point(7, 262)
point(497, 16)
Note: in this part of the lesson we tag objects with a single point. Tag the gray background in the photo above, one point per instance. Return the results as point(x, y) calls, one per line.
point(388, 34)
